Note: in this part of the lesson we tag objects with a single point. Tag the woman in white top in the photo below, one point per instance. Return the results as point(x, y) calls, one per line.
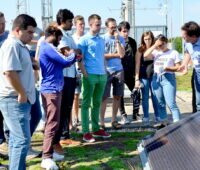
point(166, 62)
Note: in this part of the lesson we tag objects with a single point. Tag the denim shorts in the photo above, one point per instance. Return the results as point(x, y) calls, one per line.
point(117, 81)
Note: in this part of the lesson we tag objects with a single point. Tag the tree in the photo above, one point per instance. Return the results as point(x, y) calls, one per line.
point(177, 43)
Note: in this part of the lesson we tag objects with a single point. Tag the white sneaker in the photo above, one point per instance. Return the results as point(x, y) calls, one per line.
point(124, 120)
point(32, 154)
point(49, 164)
point(57, 156)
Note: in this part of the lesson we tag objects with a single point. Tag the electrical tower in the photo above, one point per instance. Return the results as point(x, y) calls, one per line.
point(22, 7)
point(47, 12)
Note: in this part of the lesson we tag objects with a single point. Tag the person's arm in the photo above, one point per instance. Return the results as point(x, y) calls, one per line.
point(82, 47)
point(112, 55)
point(184, 65)
point(173, 68)
point(82, 68)
point(58, 57)
point(137, 68)
point(14, 80)
point(120, 43)
point(148, 52)
point(120, 52)
point(186, 59)
point(177, 62)
point(120, 48)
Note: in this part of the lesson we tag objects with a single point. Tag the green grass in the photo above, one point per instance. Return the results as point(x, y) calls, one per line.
point(184, 82)
point(110, 154)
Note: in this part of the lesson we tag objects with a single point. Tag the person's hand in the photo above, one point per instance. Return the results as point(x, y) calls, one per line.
point(79, 57)
point(116, 35)
point(183, 69)
point(78, 51)
point(68, 52)
point(22, 98)
point(158, 43)
point(137, 84)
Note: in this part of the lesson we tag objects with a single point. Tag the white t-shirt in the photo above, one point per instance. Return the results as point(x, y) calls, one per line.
point(69, 71)
point(165, 59)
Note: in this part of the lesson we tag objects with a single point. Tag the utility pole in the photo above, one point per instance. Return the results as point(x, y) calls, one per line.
point(182, 22)
point(22, 7)
point(128, 14)
point(47, 12)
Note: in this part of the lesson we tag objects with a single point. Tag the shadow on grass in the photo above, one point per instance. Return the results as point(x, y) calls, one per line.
point(107, 154)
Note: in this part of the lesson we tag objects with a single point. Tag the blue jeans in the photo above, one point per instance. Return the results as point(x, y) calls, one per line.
point(16, 116)
point(147, 82)
point(164, 87)
point(36, 113)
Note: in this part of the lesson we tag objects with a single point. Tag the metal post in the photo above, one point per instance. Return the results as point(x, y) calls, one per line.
point(182, 21)
point(47, 12)
point(21, 7)
point(133, 18)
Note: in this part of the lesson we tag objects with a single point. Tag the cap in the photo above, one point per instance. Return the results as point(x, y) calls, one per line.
point(62, 44)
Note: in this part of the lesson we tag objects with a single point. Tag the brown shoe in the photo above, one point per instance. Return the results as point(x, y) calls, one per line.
point(69, 142)
point(116, 125)
point(58, 149)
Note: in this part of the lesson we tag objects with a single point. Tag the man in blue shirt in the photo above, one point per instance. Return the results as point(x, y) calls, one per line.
point(94, 78)
point(114, 51)
point(52, 64)
point(191, 35)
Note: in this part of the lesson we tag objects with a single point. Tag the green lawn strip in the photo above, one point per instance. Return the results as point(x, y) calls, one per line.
point(184, 82)
point(103, 154)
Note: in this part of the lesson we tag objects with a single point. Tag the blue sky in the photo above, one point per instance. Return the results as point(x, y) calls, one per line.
point(145, 15)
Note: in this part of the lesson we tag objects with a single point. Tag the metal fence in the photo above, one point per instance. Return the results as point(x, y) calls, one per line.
point(156, 29)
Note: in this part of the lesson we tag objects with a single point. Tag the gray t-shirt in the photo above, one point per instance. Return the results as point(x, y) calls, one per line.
point(15, 57)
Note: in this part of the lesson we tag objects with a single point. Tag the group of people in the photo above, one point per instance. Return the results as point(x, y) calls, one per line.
point(64, 63)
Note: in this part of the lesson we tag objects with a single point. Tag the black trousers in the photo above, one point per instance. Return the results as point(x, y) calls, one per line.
point(129, 80)
point(66, 108)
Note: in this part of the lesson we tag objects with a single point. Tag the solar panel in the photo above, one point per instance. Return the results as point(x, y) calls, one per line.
point(175, 147)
